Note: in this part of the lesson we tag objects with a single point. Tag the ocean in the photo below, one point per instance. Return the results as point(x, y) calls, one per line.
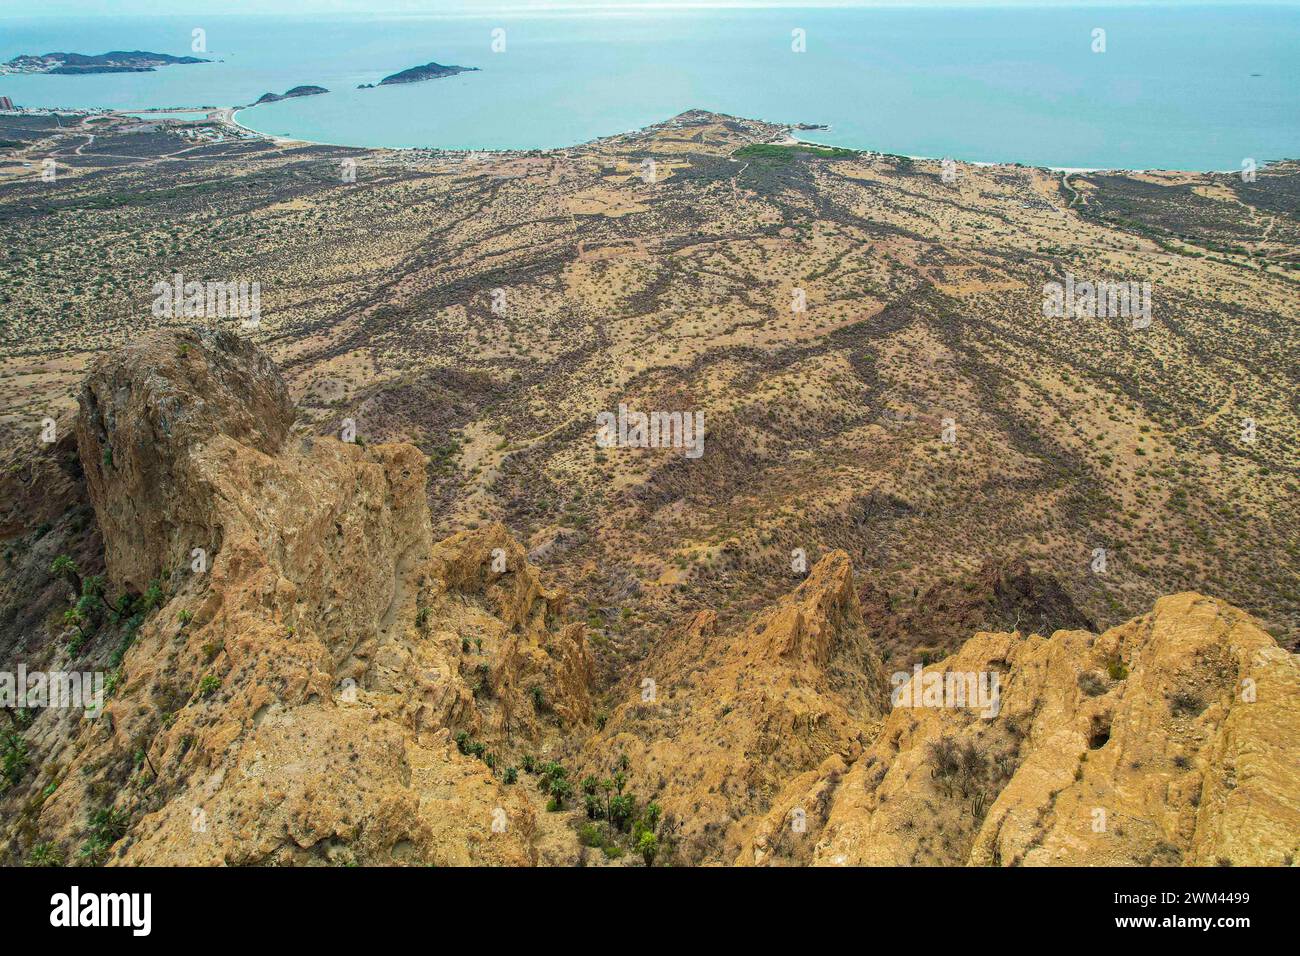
point(1189, 87)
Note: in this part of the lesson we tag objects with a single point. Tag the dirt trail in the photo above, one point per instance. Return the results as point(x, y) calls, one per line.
point(1079, 197)
point(1212, 418)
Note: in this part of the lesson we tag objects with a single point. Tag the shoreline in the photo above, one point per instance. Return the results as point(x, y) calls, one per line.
point(230, 116)
point(1068, 170)
point(790, 138)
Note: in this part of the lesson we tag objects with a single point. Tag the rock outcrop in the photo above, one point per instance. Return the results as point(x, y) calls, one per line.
point(1166, 740)
point(295, 695)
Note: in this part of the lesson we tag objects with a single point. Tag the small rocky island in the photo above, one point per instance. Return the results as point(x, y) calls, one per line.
point(417, 74)
point(76, 64)
point(290, 94)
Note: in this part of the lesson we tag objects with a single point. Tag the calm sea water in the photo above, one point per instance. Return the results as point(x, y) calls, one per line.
point(1196, 87)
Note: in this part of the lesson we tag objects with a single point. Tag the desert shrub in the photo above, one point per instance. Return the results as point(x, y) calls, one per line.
point(973, 770)
point(1185, 704)
point(943, 754)
point(1090, 683)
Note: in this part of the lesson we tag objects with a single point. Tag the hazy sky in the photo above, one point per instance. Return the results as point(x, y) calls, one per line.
point(37, 8)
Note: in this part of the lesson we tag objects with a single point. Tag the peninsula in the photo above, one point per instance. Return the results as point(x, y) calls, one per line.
point(73, 64)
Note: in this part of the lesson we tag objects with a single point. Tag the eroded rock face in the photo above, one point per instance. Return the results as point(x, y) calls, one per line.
point(735, 716)
point(144, 412)
point(39, 486)
point(295, 696)
point(1166, 740)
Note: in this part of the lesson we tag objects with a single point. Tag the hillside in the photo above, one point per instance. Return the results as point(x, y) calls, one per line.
point(905, 459)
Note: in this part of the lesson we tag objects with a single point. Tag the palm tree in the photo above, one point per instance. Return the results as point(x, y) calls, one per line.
point(73, 616)
point(648, 846)
point(64, 565)
point(607, 785)
point(560, 789)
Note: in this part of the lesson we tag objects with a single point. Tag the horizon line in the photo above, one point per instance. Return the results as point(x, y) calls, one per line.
point(463, 9)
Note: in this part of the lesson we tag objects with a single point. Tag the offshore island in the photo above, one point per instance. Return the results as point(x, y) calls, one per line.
point(418, 74)
point(291, 94)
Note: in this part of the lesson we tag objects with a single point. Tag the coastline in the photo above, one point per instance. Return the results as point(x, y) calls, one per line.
point(229, 115)
point(790, 139)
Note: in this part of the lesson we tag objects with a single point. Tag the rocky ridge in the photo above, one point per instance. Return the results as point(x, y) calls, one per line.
point(297, 666)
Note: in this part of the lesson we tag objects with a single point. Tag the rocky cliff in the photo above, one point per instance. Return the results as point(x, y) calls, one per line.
point(306, 652)
point(299, 673)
